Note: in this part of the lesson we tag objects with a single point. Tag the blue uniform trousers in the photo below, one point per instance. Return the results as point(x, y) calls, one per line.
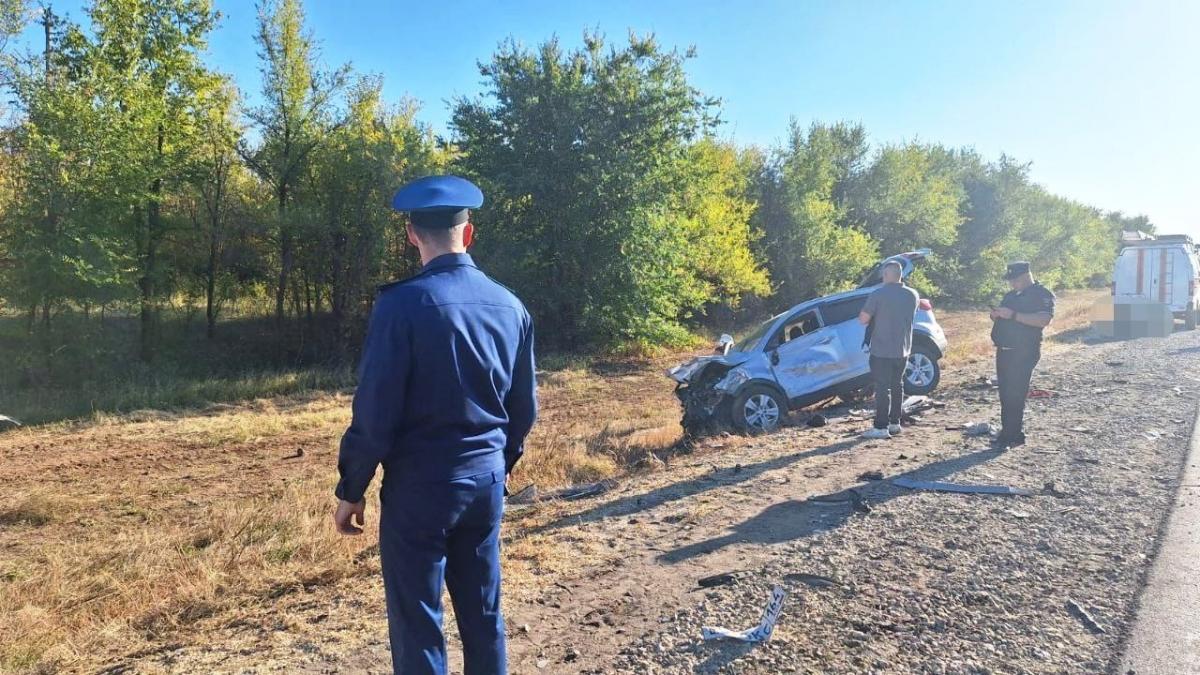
point(449, 531)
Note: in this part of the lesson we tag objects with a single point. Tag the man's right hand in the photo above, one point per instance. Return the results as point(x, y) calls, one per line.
point(344, 517)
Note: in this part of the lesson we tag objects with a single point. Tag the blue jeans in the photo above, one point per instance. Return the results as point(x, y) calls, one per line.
point(435, 532)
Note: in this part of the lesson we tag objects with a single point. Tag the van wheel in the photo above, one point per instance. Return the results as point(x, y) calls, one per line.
point(922, 373)
point(1189, 319)
point(757, 409)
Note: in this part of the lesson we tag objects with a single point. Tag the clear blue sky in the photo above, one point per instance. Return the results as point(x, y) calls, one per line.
point(1103, 97)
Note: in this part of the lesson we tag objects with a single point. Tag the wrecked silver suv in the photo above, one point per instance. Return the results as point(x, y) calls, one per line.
point(810, 353)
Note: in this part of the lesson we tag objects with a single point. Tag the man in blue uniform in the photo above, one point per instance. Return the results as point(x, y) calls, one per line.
point(1017, 326)
point(445, 398)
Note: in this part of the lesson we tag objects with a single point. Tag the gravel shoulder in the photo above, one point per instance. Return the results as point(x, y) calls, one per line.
point(923, 582)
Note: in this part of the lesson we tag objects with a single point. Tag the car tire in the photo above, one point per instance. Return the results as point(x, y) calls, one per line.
point(757, 409)
point(923, 371)
point(1189, 319)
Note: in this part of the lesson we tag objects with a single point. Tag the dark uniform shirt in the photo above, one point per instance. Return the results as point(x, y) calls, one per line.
point(446, 386)
point(1009, 333)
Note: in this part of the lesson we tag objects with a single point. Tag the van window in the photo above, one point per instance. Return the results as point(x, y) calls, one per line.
point(843, 310)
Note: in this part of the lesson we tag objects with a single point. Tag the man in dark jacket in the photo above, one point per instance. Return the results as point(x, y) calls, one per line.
point(1017, 326)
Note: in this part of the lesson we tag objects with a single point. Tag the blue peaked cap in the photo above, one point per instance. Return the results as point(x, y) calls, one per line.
point(438, 193)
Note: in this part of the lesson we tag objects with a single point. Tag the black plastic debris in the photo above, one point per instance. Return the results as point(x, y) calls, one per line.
point(722, 579)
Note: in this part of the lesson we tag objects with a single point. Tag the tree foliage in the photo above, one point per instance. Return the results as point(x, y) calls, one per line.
point(298, 115)
point(810, 243)
point(133, 180)
point(601, 176)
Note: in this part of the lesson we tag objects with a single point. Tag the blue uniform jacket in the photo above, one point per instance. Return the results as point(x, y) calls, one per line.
point(446, 386)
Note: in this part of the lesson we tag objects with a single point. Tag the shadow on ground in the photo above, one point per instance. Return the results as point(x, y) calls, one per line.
point(796, 519)
point(716, 478)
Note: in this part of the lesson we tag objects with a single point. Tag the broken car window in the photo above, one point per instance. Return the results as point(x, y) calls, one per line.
point(748, 343)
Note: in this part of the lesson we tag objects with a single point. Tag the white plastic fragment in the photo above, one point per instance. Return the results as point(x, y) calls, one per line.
point(939, 486)
point(979, 429)
point(761, 632)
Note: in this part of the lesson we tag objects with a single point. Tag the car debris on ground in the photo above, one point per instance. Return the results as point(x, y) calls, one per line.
point(526, 495)
point(812, 580)
point(958, 571)
point(1076, 610)
point(978, 429)
point(940, 486)
point(761, 632)
point(717, 580)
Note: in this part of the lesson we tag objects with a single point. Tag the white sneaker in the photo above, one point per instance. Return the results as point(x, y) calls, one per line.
point(876, 433)
point(894, 429)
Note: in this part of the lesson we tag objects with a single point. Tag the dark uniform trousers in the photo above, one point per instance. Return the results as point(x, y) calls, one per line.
point(889, 389)
point(443, 530)
point(1014, 370)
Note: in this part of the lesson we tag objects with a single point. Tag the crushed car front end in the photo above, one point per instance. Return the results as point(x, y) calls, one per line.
point(705, 383)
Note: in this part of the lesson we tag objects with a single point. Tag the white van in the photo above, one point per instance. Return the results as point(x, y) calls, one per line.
point(1164, 270)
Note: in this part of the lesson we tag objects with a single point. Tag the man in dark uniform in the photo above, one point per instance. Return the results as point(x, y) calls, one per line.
point(1017, 326)
point(445, 398)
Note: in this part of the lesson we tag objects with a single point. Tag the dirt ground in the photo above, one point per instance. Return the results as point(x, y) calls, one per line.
point(918, 582)
point(922, 582)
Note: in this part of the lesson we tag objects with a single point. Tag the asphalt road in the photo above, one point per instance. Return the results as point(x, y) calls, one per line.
point(1166, 635)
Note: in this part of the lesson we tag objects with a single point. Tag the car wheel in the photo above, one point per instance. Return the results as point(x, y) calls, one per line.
point(757, 409)
point(922, 373)
point(1189, 319)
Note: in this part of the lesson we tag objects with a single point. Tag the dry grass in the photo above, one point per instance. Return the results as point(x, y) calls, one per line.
point(90, 582)
point(127, 532)
point(593, 425)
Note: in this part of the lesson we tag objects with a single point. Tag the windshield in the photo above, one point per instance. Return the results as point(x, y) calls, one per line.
point(748, 342)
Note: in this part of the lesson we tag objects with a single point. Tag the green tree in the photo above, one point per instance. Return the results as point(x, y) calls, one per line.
point(971, 268)
point(909, 198)
point(584, 156)
point(716, 206)
point(150, 81)
point(296, 117)
point(217, 176)
point(810, 247)
point(354, 175)
point(13, 16)
point(61, 229)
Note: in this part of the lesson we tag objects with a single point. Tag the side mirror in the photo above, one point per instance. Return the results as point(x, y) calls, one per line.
point(724, 344)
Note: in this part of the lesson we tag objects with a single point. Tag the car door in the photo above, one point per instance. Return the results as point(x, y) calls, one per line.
point(806, 356)
point(842, 317)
